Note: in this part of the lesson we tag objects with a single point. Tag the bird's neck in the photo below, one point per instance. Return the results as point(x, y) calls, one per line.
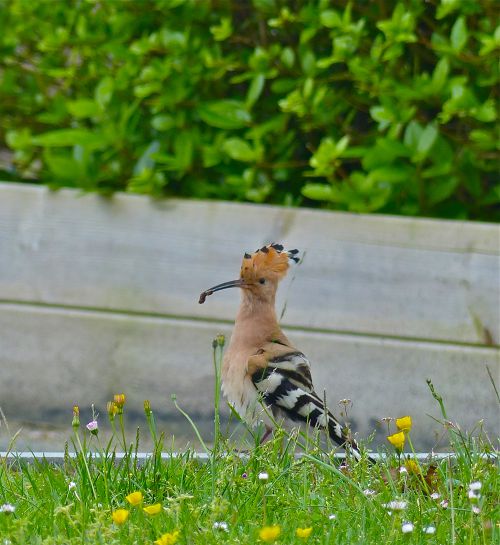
point(255, 324)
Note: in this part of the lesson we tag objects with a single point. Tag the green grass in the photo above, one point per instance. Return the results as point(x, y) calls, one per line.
point(72, 503)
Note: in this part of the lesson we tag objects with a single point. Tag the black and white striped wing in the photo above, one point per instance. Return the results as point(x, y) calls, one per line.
point(286, 387)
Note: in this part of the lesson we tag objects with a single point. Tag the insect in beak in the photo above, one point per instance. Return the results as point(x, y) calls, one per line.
point(231, 284)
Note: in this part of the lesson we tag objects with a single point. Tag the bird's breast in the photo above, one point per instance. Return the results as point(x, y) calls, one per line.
point(237, 386)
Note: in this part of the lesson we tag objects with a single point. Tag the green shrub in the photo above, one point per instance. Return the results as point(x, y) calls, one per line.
point(363, 106)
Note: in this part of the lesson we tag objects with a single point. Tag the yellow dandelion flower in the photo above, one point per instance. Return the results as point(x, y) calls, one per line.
point(269, 533)
point(119, 401)
point(397, 440)
point(112, 409)
point(404, 423)
point(119, 516)
point(76, 417)
point(304, 533)
point(168, 539)
point(135, 498)
point(152, 509)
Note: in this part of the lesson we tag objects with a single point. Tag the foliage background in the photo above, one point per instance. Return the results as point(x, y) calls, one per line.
point(368, 106)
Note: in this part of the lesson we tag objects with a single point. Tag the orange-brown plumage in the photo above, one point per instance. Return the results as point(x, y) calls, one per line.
point(266, 261)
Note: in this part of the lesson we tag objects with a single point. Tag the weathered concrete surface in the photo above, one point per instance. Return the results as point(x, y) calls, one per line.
point(55, 358)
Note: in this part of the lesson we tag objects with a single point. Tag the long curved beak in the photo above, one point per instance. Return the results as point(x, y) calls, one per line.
point(231, 284)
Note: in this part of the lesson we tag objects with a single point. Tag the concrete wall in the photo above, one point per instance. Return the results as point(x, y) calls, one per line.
point(100, 295)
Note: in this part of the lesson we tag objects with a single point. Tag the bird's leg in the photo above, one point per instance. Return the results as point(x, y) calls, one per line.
point(266, 435)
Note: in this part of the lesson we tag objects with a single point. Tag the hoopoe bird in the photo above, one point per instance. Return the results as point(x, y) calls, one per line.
point(263, 374)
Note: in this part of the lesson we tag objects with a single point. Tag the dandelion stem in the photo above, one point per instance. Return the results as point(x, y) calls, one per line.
point(264, 507)
point(452, 507)
point(122, 428)
point(420, 474)
point(217, 344)
point(84, 457)
point(193, 425)
point(451, 432)
point(126, 453)
point(437, 397)
point(104, 459)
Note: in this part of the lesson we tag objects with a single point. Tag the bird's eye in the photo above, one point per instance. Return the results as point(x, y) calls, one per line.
point(262, 280)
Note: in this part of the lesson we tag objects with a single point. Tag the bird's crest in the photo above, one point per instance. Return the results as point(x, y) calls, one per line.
point(272, 260)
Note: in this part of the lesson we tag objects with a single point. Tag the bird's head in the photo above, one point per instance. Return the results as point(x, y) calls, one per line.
point(260, 272)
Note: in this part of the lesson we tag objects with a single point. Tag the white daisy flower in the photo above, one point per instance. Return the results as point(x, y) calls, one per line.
point(220, 526)
point(476, 485)
point(407, 527)
point(396, 505)
point(473, 495)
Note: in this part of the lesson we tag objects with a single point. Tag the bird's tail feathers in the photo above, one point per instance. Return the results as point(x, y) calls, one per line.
point(324, 419)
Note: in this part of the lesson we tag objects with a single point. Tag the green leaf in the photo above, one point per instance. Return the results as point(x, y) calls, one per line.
point(147, 89)
point(183, 148)
point(19, 139)
point(82, 108)
point(426, 141)
point(330, 19)
point(211, 156)
point(459, 34)
point(255, 89)
point(149, 182)
point(288, 57)
point(283, 85)
point(308, 88)
point(440, 74)
point(317, 192)
point(385, 152)
point(439, 189)
point(484, 139)
point(172, 39)
point(239, 150)
point(486, 112)
point(391, 174)
point(341, 145)
point(163, 122)
point(71, 137)
point(225, 114)
point(104, 91)
point(383, 115)
point(412, 135)
point(63, 167)
point(146, 160)
point(325, 159)
point(308, 62)
point(223, 30)
point(446, 7)
point(439, 169)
